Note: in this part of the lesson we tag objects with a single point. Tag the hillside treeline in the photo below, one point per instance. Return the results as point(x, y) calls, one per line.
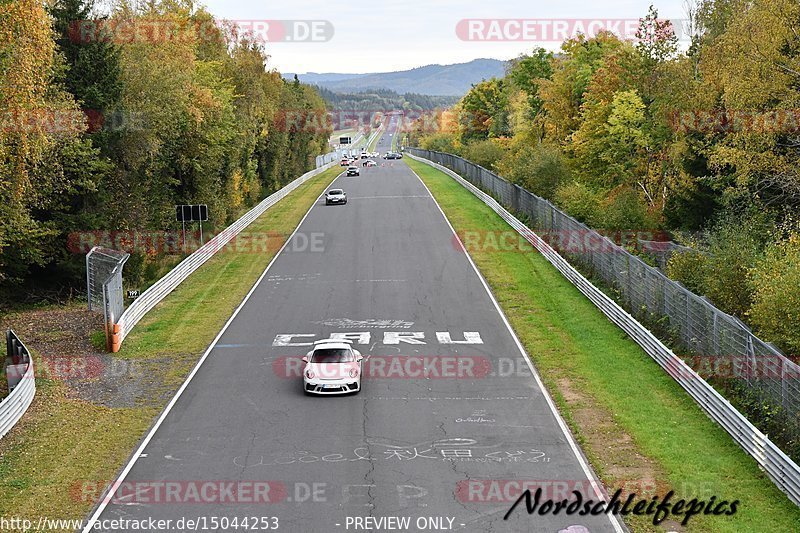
point(383, 100)
point(108, 121)
point(700, 140)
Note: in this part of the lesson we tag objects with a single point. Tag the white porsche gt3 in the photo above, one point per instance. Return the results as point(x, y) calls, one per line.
point(332, 367)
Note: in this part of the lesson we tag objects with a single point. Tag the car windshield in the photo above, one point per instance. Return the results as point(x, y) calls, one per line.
point(335, 191)
point(332, 355)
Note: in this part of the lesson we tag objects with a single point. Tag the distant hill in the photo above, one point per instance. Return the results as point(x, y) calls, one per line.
point(314, 78)
point(437, 80)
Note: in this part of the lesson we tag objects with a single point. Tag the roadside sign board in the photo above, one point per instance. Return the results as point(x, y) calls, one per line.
point(191, 213)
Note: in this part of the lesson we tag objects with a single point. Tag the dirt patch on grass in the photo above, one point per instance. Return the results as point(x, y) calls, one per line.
point(615, 454)
point(58, 331)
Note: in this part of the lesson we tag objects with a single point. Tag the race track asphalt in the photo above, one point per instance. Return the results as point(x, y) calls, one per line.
point(442, 432)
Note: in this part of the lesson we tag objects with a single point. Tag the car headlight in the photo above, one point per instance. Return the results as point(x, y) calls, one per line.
point(353, 373)
point(310, 374)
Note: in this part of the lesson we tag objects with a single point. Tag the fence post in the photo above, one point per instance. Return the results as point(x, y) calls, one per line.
point(715, 338)
point(88, 284)
point(628, 295)
point(751, 356)
point(784, 386)
point(688, 318)
point(105, 318)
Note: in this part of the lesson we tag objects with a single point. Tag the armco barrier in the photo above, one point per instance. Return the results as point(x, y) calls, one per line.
point(13, 406)
point(781, 469)
point(160, 289)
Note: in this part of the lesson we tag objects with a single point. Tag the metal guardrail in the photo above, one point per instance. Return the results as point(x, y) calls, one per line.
point(784, 472)
point(13, 406)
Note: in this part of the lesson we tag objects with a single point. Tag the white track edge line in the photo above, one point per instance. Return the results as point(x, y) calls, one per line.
point(128, 467)
point(561, 424)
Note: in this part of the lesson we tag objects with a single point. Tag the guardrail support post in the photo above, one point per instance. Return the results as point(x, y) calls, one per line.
point(116, 341)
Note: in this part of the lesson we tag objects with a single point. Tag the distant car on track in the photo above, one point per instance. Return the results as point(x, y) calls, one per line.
point(369, 163)
point(353, 171)
point(332, 367)
point(335, 196)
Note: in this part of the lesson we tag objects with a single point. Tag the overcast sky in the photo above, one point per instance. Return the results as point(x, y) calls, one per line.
point(387, 35)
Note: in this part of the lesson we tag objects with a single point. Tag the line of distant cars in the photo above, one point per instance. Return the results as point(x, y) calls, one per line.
point(367, 158)
point(364, 156)
point(338, 196)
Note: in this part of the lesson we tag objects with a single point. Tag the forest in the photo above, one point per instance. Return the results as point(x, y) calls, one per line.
point(701, 141)
point(108, 120)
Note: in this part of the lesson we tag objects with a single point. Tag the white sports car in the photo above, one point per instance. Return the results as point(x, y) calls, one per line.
point(332, 367)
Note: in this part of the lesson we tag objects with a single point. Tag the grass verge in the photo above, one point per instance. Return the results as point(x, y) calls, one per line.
point(66, 448)
point(638, 427)
point(374, 143)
